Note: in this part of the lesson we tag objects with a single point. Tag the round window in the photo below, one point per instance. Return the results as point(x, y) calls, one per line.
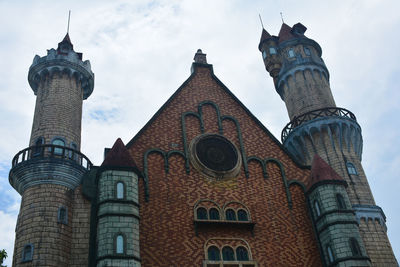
point(215, 155)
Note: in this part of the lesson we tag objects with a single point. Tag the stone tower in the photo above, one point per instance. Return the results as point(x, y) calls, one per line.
point(48, 171)
point(317, 126)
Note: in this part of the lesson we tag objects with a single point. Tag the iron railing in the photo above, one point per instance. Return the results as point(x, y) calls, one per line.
point(317, 113)
point(52, 151)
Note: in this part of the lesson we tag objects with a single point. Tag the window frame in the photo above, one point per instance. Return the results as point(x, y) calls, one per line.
point(65, 219)
point(341, 203)
point(38, 149)
point(205, 212)
point(231, 250)
point(237, 254)
point(123, 244)
point(24, 257)
point(264, 54)
point(355, 247)
point(233, 212)
point(123, 190)
point(307, 51)
point(272, 50)
point(351, 168)
point(58, 151)
point(329, 252)
point(291, 53)
point(245, 212)
point(209, 214)
point(218, 254)
point(317, 208)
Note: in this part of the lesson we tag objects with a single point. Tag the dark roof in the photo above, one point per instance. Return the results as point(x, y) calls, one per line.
point(67, 39)
point(118, 156)
point(285, 33)
point(264, 36)
point(322, 171)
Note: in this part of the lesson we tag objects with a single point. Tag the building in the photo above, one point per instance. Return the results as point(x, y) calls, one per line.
point(203, 183)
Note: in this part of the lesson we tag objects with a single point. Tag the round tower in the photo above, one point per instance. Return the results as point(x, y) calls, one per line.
point(47, 172)
point(317, 126)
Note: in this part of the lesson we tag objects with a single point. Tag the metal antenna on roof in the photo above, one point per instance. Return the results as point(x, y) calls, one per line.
point(282, 18)
point(261, 21)
point(69, 17)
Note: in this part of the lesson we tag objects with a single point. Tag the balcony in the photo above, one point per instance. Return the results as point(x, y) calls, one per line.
point(314, 114)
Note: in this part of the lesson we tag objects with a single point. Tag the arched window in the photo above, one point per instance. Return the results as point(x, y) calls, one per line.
point(351, 169)
point(72, 154)
point(242, 254)
point(242, 215)
point(120, 190)
point(307, 51)
point(38, 150)
point(214, 214)
point(228, 254)
point(355, 247)
point(119, 244)
point(264, 54)
point(340, 202)
point(291, 52)
point(213, 254)
point(202, 214)
point(330, 254)
point(62, 215)
point(230, 215)
point(27, 252)
point(58, 142)
point(317, 209)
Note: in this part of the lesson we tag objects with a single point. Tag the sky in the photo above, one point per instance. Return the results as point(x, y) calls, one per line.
point(141, 52)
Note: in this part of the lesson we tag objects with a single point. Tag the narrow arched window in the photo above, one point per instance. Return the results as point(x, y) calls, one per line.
point(58, 142)
point(242, 254)
point(272, 51)
point(202, 214)
point(230, 215)
point(340, 202)
point(38, 150)
point(27, 252)
point(62, 215)
point(307, 51)
point(119, 244)
point(228, 254)
point(264, 54)
point(242, 215)
point(291, 52)
point(317, 209)
point(120, 190)
point(214, 214)
point(213, 254)
point(355, 247)
point(351, 169)
point(330, 254)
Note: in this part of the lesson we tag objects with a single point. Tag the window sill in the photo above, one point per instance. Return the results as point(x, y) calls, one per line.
point(248, 225)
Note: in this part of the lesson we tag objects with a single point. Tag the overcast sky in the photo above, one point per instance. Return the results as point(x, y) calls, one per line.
point(141, 52)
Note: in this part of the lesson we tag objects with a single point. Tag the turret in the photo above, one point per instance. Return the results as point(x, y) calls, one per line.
point(51, 168)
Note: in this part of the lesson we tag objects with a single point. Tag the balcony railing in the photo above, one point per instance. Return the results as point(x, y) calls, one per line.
point(52, 151)
point(318, 113)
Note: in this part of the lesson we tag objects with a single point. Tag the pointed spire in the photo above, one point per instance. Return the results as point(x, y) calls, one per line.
point(285, 33)
point(322, 171)
point(199, 57)
point(118, 156)
point(67, 39)
point(264, 35)
point(65, 46)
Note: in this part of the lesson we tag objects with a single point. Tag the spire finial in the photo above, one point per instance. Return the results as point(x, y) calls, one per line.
point(262, 25)
point(69, 17)
point(282, 18)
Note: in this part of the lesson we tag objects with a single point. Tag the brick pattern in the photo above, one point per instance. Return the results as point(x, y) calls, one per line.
point(282, 236)
point(38, 224)
point(58, 110)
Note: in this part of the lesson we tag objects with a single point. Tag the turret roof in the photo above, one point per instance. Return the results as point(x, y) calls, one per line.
point(118, 156)
point(285, 33)
point(322, 171)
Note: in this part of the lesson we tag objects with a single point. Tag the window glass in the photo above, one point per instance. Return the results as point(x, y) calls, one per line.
point(317, 209)
point(120, 244)
point(230, 215)
point(351, 168)
point(58, 142)
point(38, 150)
point(27, 253)
point(120, 190)
point(355, 247)
point(242, 254)
point(202, 214)
point(340, 202)
point(272, 50)
point(214, 214)
point(213, 254)
point(264, 54)
point(291, 52)
point(330, 254)
point(228, 254)
point(62, 215)
point(242, 215)
point(307, 51)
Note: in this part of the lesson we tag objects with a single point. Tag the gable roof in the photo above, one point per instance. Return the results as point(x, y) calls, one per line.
point(195, 66)
point(118, 156)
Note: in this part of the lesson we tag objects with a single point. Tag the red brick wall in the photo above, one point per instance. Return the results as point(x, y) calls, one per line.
point(282, 236)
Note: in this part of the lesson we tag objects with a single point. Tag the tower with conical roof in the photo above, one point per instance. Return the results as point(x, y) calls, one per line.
point(318, 126)
point(47, 173)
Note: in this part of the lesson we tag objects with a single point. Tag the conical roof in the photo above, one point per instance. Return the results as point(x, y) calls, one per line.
point(285, 33)
point(118, 156)
point(322, 171)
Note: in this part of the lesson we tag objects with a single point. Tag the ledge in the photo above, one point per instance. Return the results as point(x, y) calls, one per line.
point(248, 225)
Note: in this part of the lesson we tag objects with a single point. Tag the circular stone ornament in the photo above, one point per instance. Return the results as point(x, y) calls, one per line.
point(215, 156)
